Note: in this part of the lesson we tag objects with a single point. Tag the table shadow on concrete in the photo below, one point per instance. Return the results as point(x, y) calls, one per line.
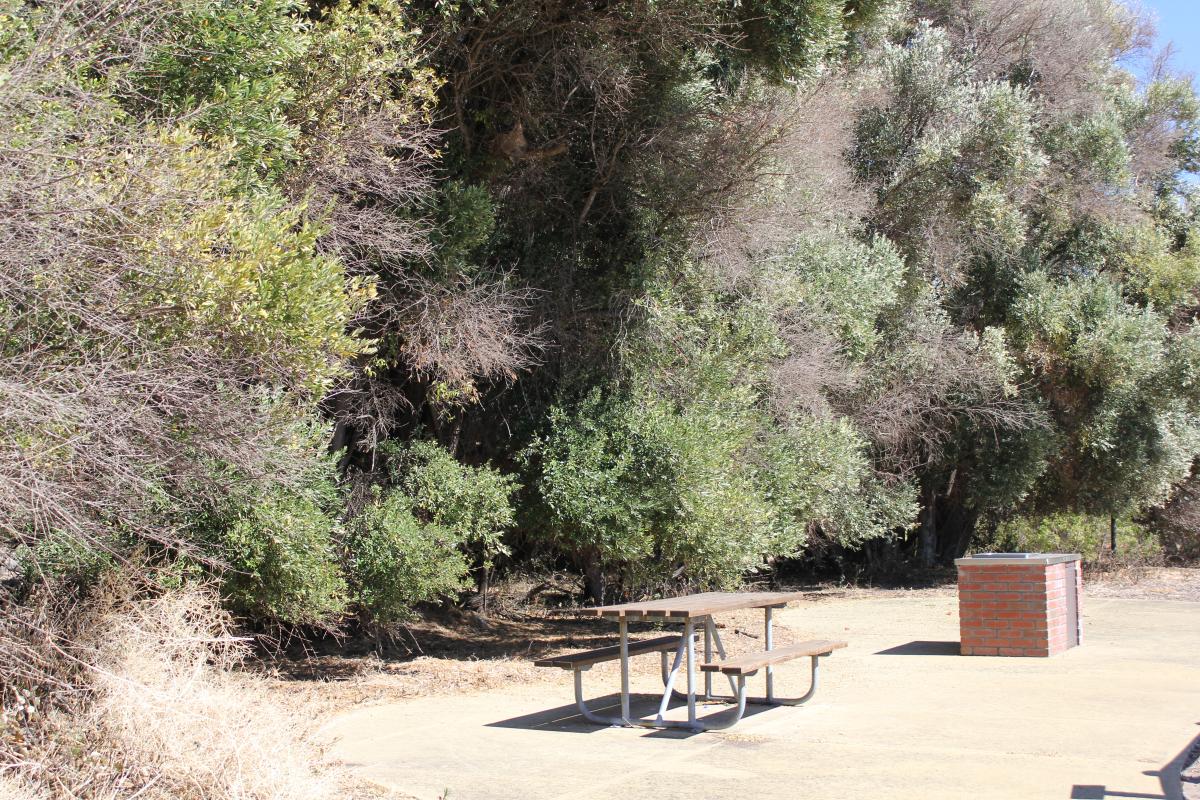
point(922, 648)
point(1170, 777)
point(567, 719)
point(1088, 792)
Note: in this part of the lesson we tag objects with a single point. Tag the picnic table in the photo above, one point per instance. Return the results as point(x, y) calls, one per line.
point(692, 610)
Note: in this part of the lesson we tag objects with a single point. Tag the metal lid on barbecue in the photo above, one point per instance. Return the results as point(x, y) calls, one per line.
point(979, 559)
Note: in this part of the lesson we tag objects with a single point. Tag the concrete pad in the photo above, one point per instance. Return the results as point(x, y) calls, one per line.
point(899, 715)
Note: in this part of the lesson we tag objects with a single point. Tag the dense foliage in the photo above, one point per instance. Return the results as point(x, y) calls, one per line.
point(348, 306)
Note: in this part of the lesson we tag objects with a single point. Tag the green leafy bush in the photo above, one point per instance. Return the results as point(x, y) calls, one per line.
point(149, 304)
point(818, 475)
point(948, 154)
point(1075, 533)
point(61, 556)
point(788, 39)
point(280, 546)
point(1119, 399)
point(475, 504)
point(246, 276)
point(648, 495)
point(283, 561)
point(226, 63)
point(597, 481)
point(845, 286)
point(397, 561)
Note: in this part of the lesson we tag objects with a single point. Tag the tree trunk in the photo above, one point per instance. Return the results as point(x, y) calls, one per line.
point(927, 541)
point(947, 522)
point(593, 578)
point(486, 587)
point(957, 527)
point(343, 437)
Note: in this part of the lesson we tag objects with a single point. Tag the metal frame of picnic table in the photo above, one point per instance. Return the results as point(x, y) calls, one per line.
point(692, 609)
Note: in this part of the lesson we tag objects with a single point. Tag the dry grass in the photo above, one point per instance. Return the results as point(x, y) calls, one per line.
point(158, 709)
point(168, 702)
point(12, 789)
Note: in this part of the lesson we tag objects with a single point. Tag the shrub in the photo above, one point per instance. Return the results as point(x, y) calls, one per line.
point(224, 63)
point(1085, 534)
point(635, 490)
point(1180, 544)
point(283, 563)
point(1122, 393)
point(279, 546)
point(475, 504)
point(597, 481)
point(60, 556)
point(791, 39)
point(846, 286)
point(244, 276)
point(147, 305)
point(818, 474)
point(397, 561)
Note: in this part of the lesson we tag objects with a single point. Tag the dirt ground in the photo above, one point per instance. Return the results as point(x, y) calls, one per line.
point(1148, 583)
point(475, 661)
point(455, 651)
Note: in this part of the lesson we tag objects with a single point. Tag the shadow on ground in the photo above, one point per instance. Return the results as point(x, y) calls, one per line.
point(1170, 777)
point(448, 634)
point(922, 648)
point(1086, 792)
point(460, 634)
point(567, 719)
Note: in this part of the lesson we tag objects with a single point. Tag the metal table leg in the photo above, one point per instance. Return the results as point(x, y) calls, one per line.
point(690, 642)
point(708, 631)
point(625, 670)
point(669, 679)
point(792, 701)
point(711, 628)
point(710, 723)
point(588, 714)
point(770, 644)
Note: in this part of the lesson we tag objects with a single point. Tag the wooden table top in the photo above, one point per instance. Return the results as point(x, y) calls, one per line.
point(691, 606)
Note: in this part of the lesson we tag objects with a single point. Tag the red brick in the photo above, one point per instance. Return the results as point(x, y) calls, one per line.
point(980, 651)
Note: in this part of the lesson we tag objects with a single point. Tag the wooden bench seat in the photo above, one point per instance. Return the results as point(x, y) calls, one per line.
point(753, 662)
point(586, 658)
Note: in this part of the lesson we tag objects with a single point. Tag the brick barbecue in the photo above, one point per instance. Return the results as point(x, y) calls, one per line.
point(1019, 604)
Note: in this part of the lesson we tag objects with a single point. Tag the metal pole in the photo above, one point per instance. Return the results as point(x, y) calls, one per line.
point(625, 670)
point(1112, 534)
point(721, 654)
point(770, 645)
point(688, 633)
point(708, 623)
point(669, 680)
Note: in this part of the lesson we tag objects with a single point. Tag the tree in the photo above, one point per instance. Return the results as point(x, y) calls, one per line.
point(1021, 173)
